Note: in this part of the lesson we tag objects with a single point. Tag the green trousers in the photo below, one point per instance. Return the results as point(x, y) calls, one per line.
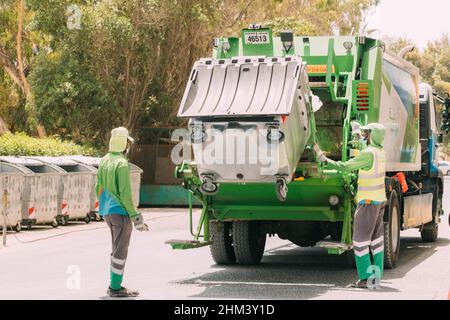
point(368, 236)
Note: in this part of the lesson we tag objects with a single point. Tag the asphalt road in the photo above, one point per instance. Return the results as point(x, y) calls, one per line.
point(73, 263)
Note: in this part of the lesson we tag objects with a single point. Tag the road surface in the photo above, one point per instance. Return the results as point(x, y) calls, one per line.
point(72, 262)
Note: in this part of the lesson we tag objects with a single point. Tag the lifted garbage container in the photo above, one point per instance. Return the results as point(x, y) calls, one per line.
point(135, 176)
point(77, 186)
point(41, 191)
point(12, 181)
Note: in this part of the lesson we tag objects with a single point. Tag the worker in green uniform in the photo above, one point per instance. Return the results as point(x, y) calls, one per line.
point(368, 227)
point(116, 206)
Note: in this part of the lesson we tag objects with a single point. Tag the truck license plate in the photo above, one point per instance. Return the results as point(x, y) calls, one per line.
point(260, 37)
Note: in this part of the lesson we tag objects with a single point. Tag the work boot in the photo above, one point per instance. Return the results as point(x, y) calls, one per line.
point(360, 284)
point(122, 293)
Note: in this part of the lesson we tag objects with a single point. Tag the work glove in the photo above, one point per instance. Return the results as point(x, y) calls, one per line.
point(320, 155)
point(138, 222)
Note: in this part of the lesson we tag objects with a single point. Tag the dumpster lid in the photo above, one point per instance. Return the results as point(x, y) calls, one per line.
point(16, 168)
point(59, 161)
point(242, 86)
point(21, 161)
point(92, 161)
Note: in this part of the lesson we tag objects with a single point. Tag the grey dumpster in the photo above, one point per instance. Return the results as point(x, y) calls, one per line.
point(12, 181)
point(135, 174)
point(41, 191)
point(77, 186)
point(254, 103)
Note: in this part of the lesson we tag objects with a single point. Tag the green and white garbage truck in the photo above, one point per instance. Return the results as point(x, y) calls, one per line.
point(255, 110)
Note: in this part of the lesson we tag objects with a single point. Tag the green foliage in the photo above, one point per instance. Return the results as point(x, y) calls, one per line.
point(22, 145)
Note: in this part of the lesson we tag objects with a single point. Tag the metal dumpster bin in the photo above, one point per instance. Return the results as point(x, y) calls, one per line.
point(135, 176)
point(248, 119)
point(77, 186)
point(41, 191)
point(12, 181)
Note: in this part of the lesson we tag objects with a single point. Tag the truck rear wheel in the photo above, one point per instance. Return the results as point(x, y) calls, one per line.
point(222, 243)
point(392, 232)
point(248, 242)
point(429, 232)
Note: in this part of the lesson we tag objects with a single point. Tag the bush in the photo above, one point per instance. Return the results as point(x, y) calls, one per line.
point(20, 144)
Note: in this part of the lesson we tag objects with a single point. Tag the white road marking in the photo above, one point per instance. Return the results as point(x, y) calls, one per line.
point(266, 283)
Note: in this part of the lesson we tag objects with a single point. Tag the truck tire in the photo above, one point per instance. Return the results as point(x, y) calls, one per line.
point(392, 232)
point(429, 232)
point(248, 242)
point(222, 243)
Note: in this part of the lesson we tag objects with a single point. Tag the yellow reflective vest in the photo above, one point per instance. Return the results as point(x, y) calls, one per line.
point(371, 183)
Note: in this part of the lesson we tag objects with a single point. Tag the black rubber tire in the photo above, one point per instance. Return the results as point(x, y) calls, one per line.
point(29, 225)
point(391, 254)
point(430, 232)
point(222, 243)
point(87, 219)
point(248, 242)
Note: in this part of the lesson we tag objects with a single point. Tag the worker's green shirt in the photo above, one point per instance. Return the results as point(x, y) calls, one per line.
point(362, 161)
point(113, 186)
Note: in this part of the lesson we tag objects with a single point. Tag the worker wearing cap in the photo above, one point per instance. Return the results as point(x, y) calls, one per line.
point(116, 206)
point(368, 233)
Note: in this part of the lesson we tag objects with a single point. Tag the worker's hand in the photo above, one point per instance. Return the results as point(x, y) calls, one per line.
point(139, 224)
point(320, 155)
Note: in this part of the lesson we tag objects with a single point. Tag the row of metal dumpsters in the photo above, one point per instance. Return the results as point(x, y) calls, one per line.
point(52, 190)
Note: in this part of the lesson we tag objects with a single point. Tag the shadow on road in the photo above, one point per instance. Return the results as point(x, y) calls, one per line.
point(290, 272)
point(413, 251)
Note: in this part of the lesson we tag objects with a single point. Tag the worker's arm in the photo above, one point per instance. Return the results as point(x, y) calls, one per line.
point(362, 161)
point(124, 189)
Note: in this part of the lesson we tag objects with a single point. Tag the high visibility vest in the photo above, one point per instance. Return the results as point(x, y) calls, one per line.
point(371, 183)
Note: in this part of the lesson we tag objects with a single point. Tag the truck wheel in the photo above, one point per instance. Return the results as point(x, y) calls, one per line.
point(87, 219)
point(248, 242)
point(392, 232)
point(29, 225)
point(222, 243)
point(429, 232)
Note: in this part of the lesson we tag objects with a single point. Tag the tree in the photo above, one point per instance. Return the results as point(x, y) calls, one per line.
point(128, 62)
point(13, 62)
point(433, 61)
